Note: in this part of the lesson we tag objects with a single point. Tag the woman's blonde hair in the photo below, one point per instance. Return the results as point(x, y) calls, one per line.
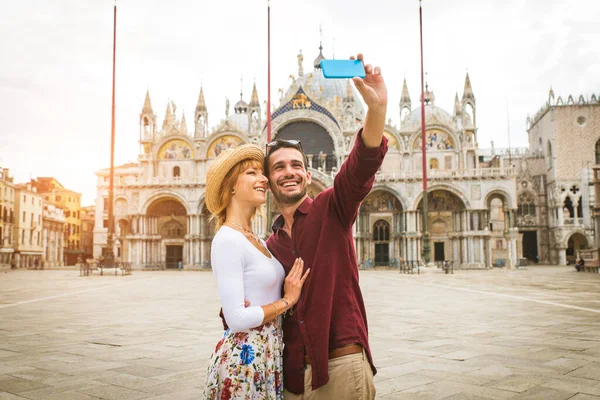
point(226, 189)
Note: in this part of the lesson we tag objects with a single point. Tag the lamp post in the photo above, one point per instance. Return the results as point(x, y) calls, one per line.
point(109, 256)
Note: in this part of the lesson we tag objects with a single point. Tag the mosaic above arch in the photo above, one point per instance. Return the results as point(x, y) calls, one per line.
point(392, 142)
point(223, 143)
point(442, 200)
point(436, 140)
point(380, 201)
point(175, 149)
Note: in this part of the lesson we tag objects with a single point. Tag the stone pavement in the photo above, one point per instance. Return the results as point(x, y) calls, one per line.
point(527, 334)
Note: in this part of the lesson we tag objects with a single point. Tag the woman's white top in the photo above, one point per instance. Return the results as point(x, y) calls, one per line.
point(244, 273)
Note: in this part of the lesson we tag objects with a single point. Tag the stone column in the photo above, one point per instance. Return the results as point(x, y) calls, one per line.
point(470, 255)
point(465, 254)
point(481, 253)
point(560, 221)
point(562, 256)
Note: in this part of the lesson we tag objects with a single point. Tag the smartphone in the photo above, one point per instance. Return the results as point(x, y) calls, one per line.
point(338, 69)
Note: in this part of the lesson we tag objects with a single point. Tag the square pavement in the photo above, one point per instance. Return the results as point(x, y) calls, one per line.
point(498, 334)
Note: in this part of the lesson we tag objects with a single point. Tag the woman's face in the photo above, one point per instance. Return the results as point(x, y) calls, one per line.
point(251, 187)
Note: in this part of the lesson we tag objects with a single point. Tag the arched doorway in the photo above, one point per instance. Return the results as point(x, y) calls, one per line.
point(168, 221)
point(316, 143)
point(381, 239)
point(576, 242)
point(379, 228)
point(447, 222)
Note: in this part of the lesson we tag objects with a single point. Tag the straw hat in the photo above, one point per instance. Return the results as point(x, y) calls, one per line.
point(221, 166)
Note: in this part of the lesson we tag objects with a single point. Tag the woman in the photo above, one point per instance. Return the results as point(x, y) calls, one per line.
point(247, 362)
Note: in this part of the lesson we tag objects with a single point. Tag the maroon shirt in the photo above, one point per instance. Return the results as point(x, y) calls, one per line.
point(330, 312)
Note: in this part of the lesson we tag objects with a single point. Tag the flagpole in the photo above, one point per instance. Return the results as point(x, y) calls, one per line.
point(268, 71)
point(426, 245)
point(109, 255)
point(269, 216)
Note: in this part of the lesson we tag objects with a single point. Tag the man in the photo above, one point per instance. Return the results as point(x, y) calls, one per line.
point(327, 353)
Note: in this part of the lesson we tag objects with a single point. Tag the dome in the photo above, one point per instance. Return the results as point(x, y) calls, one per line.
point(239, 120)
point(433, 115)
point(240, 107)
point(325, 91)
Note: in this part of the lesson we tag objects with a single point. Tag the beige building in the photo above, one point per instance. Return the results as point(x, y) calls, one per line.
point(7, 218)
point(160, 215)
point(27, 230)
point(88, 216)
point(70, 202)
point(53, 235)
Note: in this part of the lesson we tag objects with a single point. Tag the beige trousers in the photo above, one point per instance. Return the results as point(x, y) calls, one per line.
point(350, 378)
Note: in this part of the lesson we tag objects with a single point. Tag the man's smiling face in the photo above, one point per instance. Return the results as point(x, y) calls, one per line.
point(288, 177)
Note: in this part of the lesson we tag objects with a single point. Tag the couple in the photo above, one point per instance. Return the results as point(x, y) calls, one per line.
point(321, 316)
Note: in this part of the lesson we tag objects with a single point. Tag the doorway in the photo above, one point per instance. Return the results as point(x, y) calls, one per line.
point(530, 246)
point(174, 255)
point(438, 251)
point(382, 254)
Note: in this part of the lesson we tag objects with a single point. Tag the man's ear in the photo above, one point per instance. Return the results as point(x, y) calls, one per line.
point(308, 178)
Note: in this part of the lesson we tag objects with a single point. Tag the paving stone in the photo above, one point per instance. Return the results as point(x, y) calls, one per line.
point(149, 335)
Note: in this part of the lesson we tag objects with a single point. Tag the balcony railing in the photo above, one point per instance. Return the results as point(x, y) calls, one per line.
point(448, 174)
point(573, 221)
point(411, 174)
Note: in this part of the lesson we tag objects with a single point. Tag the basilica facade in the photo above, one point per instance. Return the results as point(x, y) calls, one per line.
point(473, 212)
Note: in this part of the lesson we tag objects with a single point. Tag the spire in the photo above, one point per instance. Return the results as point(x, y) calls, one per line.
point(405, 97)
point(550, 96)
point(349, 94)
point(201, 105)
point(183, 126)
point(457, 106)
point(254, 100)
point(168, 122)
point(147, 105)
point(468, 92)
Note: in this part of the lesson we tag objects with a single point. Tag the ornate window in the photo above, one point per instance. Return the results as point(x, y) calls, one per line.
point(172, 229)
point(549, 155)
point(381, 231)
point(598, 152)
point(433, 163)
point(526, 212)
point(176, 172)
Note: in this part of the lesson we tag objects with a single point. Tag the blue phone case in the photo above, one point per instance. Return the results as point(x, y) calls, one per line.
point(338, 69)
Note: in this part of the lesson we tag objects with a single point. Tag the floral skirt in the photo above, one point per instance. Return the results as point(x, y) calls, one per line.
point(247, 365)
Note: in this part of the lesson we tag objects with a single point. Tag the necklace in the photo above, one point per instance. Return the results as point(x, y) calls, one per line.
point(249, 232)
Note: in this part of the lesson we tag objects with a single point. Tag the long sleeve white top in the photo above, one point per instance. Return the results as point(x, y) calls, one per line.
point(244, 273)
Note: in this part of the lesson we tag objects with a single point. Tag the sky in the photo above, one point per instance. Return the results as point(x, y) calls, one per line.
point(56, 65)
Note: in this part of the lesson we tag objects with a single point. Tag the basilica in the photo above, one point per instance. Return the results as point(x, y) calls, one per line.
point(485, 208)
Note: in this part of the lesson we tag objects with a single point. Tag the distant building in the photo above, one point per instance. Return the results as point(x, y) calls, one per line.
point(7, 218)
point(70, 202)
point(53, 235)
point(27, 230)
point(555, 179)
point(88, 216)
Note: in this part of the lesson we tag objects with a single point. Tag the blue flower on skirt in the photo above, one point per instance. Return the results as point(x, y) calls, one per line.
point(247, 354)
